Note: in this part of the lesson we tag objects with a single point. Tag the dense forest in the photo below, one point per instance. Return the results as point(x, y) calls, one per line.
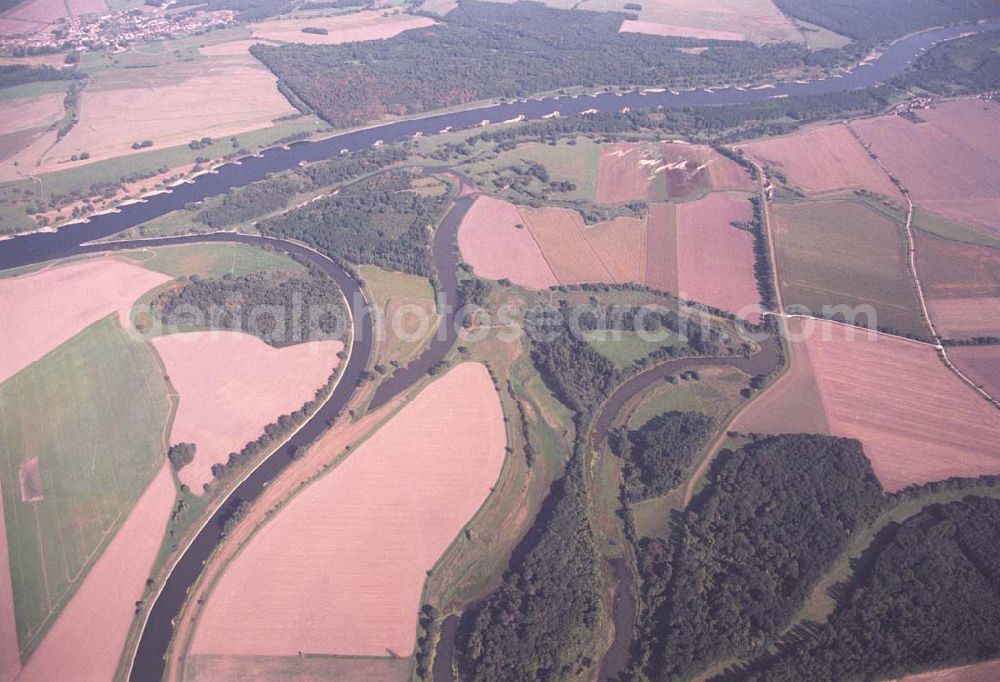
point(536, 624)
point(246, 10)
point(19, 74)
point(967, 65)
point(576, 373)
point(773, 518)
point(377, 220)
point(883, 19)
point(657, 454)
point(486, 50)
point(280, 309)
point(273, 194)
point(928, 598)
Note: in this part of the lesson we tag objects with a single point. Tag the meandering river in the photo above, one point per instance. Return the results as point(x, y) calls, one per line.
point(73, 240)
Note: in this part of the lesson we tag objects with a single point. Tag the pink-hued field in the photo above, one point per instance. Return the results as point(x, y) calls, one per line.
point(654, 172)
point(340, 569)
point(34, 15)
point(978, 672)
point(492, 243)
point(917, 420)
point(950, 162)
point(690, 249)
point(822, 159)
point(86, 641)
point(43, 309)
point(10, 649)
point(756, 20)
point(560, 233)
point(714, 259)
point(961, 318)
point(345, 28)
point(981, 364)
point(231, 385)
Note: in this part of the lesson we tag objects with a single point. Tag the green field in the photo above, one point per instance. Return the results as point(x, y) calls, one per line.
point(577, 162)
point(389, 292)
point(626, 348)
point(94, 412)
point(835, 253)
point(213, 260)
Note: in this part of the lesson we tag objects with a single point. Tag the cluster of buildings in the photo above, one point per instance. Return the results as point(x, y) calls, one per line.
point(115, 31)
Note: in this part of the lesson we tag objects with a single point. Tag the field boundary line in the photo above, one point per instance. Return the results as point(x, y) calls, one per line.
point(912, 265)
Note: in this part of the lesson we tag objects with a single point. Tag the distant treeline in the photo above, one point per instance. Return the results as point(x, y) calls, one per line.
point(536, 624)
point(246, 10)
point(281, 309)
point(19, 74)
point(883, 19)
point(925, 595)
point(273, 194)
point(486, 50)
point(378, 220)
point(773, 518)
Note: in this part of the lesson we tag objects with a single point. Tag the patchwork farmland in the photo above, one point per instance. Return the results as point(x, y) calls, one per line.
point(345, 561)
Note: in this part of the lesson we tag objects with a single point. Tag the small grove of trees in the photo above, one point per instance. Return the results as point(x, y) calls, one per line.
point(658, 453)
point(316, 30)
point(181, 454)
point(142, 145)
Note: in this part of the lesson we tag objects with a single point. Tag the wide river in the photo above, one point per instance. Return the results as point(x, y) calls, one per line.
point(72, 240)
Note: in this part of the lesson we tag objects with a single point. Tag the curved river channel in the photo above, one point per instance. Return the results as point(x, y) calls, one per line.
point(73, 240)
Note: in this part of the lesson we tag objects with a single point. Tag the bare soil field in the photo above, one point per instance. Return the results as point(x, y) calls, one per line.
point(559, 233)
point(978, 672)
point(756, 20)
point(962, 318)
point(35, 15)
point(950, 162)
point(621, 246)
point(661, 247)
point(981, 364)
point(494, 240)
point(225, 98)
point(339, 570)
point(231, 385)
point(86, 641)
point(30, 113)
point(918, 422)
point(627, 172)
point(655, 172)
point(955, 270)
point(716, 259)
point(43, 309)
point(792, 404)
point(842, 253)
point(821, 159)
point(346, 28)
point(208, 668)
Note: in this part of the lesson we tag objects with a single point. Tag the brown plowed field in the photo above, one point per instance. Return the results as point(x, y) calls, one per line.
point(981, 364)
point(756, 20)
point(490, 240)
point(627, 172)
point(963, 318)
point(559, 233)
point(822, 159)
point(621, 246)
point(835, 253)
point(231, 385)
point(793, 404)
point(715, 259)
point(918, 422)
point(339, 570)
point(43, 309)
point(654, 172)
point(661, 247)
point(955, 270)
point(206, 668)
point(979, 672)
point(86, 641)
point(346, 28)
point(950, 162)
